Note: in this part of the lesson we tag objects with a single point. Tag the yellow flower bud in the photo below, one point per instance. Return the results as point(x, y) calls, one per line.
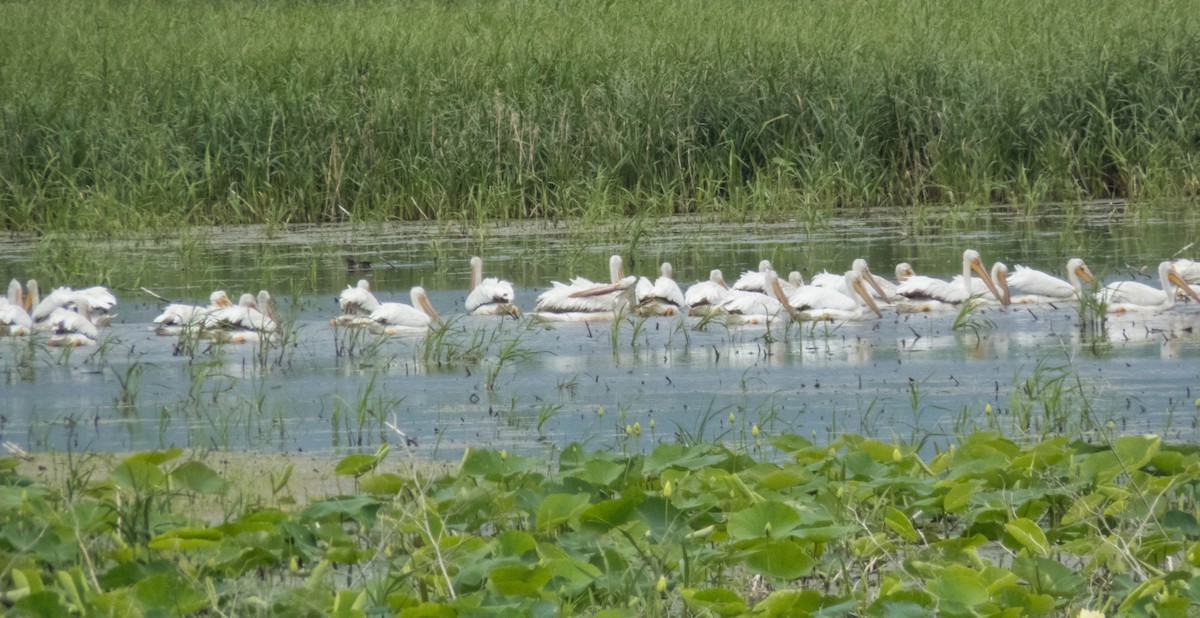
point(661, 586)
point(896, 454)
point(667, 489)
point(600, 411)
point(754, 430)
point(732, 417)
point(637, 428)
point(987, 409)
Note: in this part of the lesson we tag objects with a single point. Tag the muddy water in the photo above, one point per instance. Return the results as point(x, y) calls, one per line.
point(534, 387)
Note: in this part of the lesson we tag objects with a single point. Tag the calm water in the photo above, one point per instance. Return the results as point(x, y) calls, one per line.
point(910, 377)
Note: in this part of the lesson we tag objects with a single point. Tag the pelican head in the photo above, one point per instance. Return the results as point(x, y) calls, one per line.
point(33, 295)
point(795, 279)
point(1169, 276)
point(220, 299)
point(616, 269)
point(854, 280)
point(764, 266)
point(1000, 278)
point(1076, 267)
point(771, 282)
point(904, 270)
point(716, 277)
point(420, 300)
point(365, 285)
point(860, 266)
point(973, 262)
point(667, 271)
point(16, 296)
point(265, 304)
point(247, 300)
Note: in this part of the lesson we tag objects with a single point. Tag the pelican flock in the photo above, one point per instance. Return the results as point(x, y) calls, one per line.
point(74, 317)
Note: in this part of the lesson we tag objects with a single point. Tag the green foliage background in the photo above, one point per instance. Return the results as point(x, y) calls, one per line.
point(130, 112)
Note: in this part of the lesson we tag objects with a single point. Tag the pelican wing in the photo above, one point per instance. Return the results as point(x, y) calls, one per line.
point(490, 291)
point(704, 293)
point(1038, 283)
point(357, 301)
point(811, 297)
point(919, 287)
point(400, 314)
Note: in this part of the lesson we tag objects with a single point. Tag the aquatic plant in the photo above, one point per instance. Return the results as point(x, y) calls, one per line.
point(481, 111)
point(854, 527)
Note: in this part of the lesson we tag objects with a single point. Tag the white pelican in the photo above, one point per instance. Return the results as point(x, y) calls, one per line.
point(794, 282)
point(701, 297)
point(839, 283)
point(98, 299)
point(358, 299)
point(1127, 296)
point(584, 300)
point(813, 302)
point(744, 307)
point(1188, 270)
point(660, 297)
point(250, 320)
point(70, 327)
point(959, 289)
point(14, 316)
point(176, 317)
point(489, 296)
point(1039, 287)
point(754, 281)
point(400, 319)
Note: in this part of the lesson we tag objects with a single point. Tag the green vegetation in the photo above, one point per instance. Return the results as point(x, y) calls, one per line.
point(859, 527)
point(119, 114)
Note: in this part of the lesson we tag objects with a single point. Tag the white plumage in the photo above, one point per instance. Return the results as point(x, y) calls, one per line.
point(489, 296)
point(660, 297)
point(177, 316)
point(754, 280)
point(399, 318)
point(1036, 286)
point(702, 296)
point(14, 317)
point(358, 299)
point(1128, 296)
point(583, 300)
point(884, 290)
point(744, 307)
point(959, 289)
point(98, 299)
point(812, 302)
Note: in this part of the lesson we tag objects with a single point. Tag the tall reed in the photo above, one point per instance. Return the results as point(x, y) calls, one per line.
point(120, 113)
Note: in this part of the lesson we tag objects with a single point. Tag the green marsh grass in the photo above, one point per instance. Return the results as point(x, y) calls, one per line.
point(126, 115)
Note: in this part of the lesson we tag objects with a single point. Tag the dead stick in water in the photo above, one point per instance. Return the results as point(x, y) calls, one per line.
point(155, 295)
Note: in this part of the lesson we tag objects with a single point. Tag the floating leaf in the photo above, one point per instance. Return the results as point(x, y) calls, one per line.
point(1050, 577)
point(386, 484)
point(355, 465)
point(959, 586)
point(522, 580)
point(557, 509)
point(780, 558)
point(900, 524)
point(137, 476)
point(199, 478)
point(804, 602)
point(155, 458)
point(769, 519)
point(1029, 535)
point(719, 601)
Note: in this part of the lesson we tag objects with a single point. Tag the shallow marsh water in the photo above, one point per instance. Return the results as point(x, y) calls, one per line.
point(910, 377)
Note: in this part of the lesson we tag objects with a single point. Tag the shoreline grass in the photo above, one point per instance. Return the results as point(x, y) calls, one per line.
point(140, 114)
